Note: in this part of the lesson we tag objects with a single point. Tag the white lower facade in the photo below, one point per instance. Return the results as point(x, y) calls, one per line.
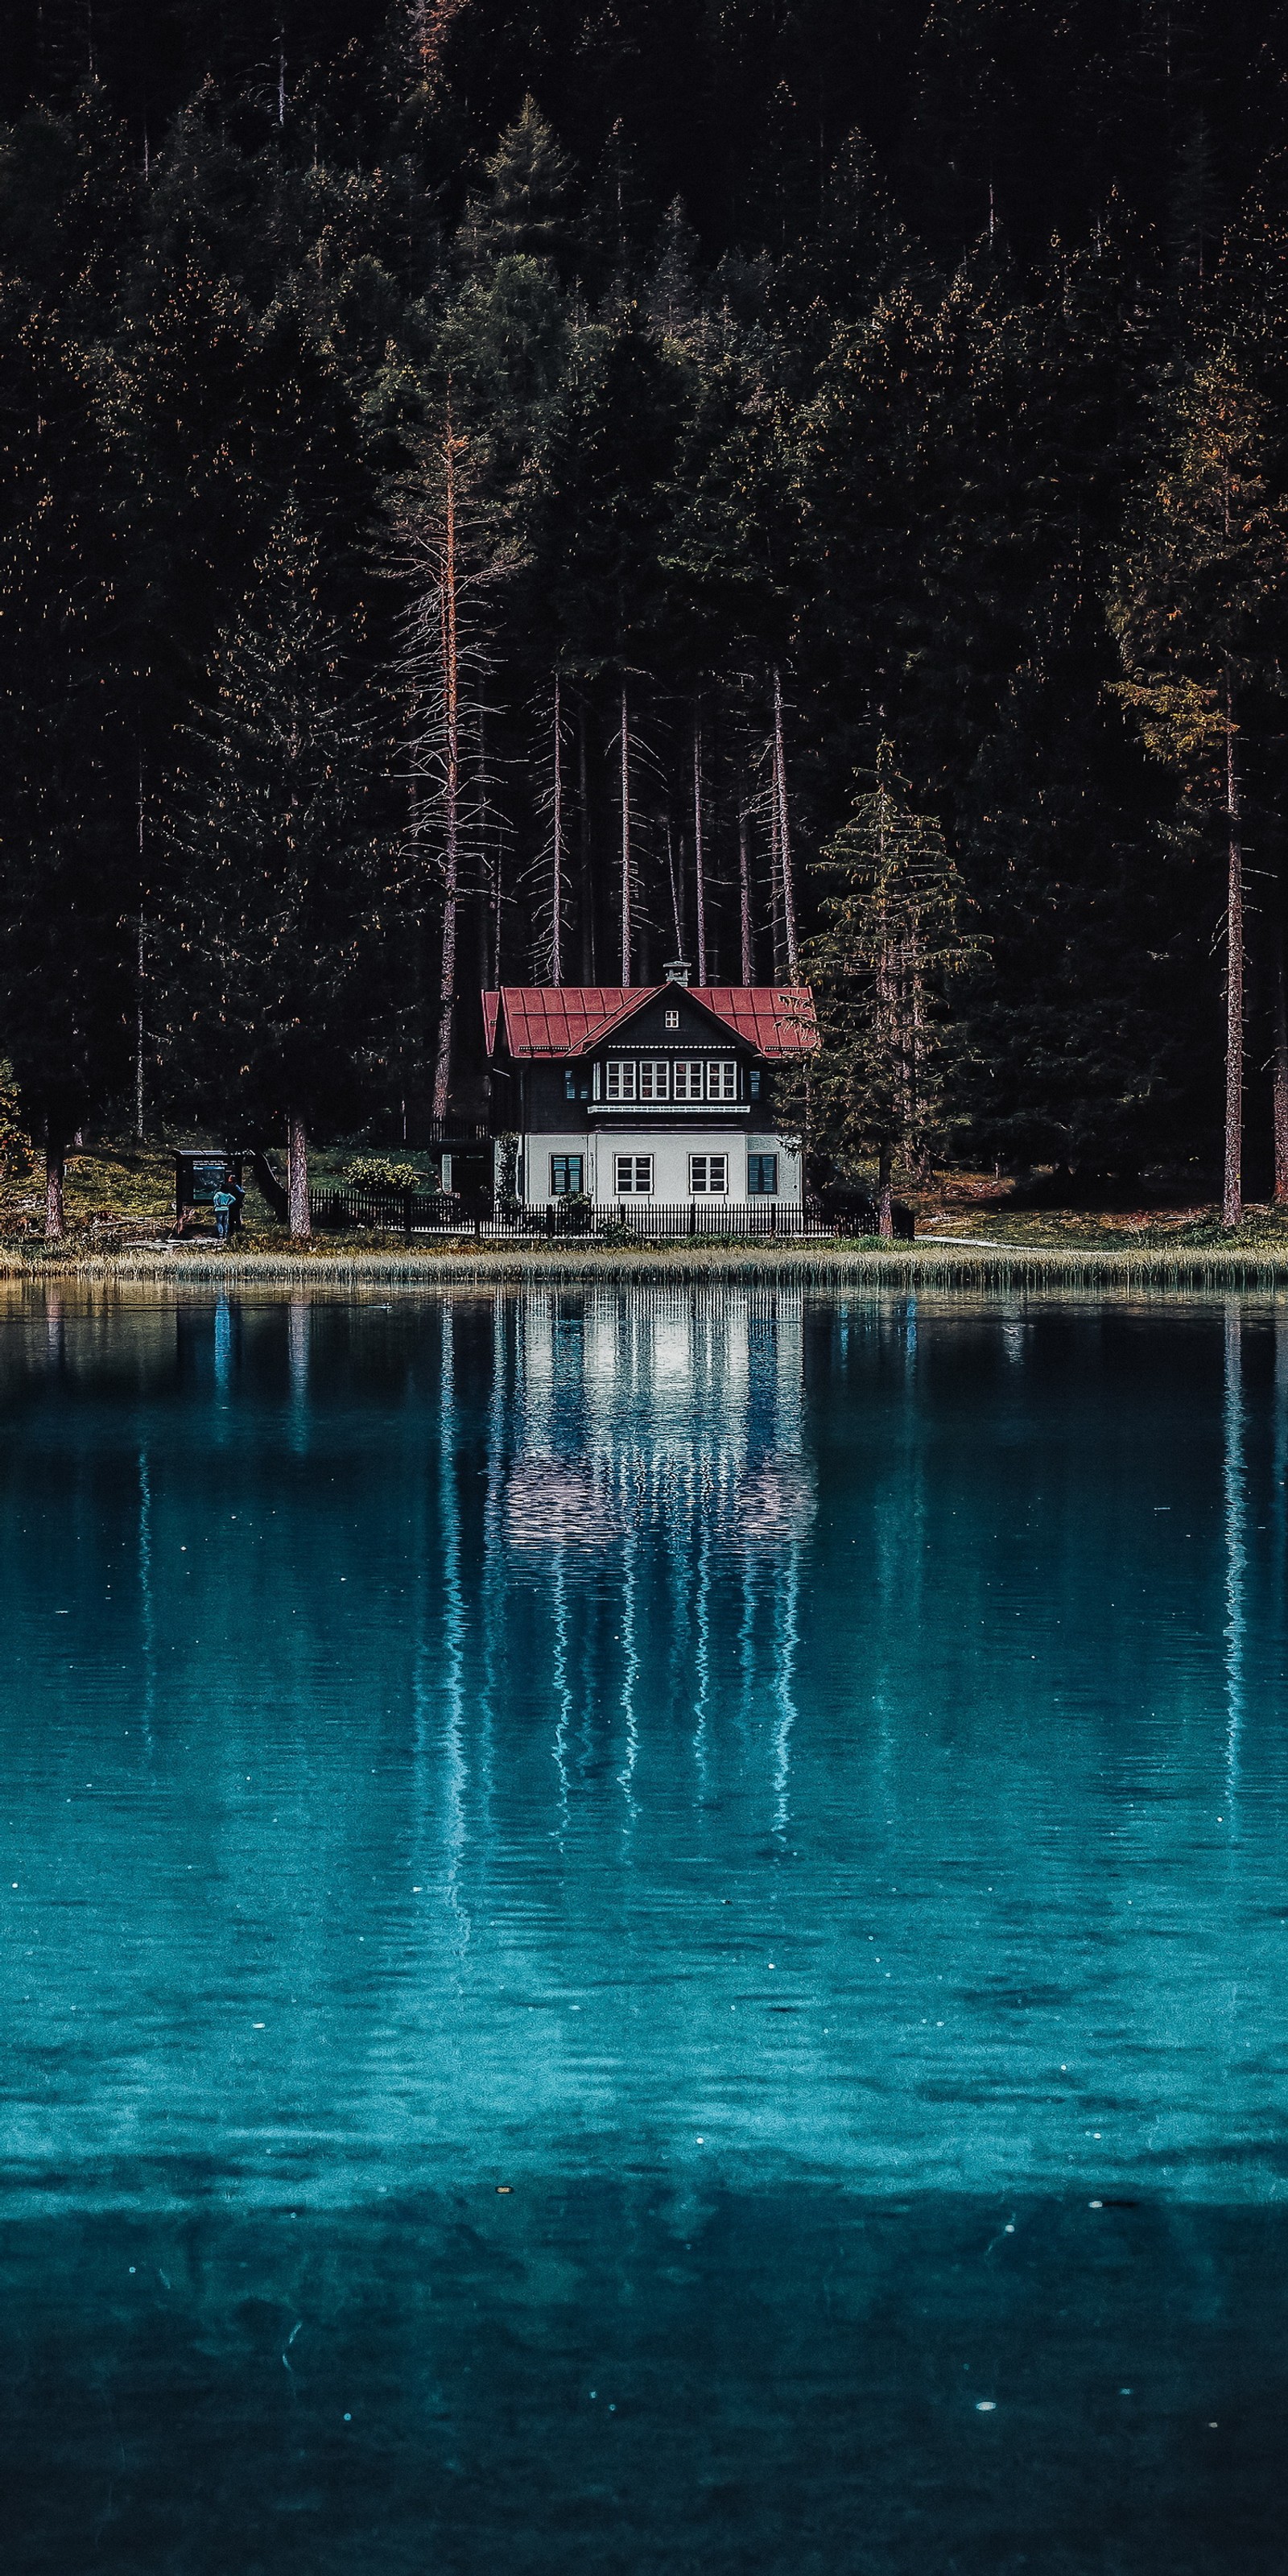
point(668, 1166)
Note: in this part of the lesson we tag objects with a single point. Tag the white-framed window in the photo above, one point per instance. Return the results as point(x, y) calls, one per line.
point(709, 1176)
point(762, 1176)
point(722, 1078)
point(633, 1175)
point(686, 1078)
point(654, 1077)
point(620, 1081)
point(673, 1019)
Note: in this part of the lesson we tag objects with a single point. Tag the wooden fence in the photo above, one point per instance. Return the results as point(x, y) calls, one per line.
point(425, 1214)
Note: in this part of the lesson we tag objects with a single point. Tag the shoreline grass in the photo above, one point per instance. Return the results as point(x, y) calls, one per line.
point(925, 1264)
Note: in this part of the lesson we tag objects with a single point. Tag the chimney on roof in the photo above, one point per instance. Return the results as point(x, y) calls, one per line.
point(677, 972)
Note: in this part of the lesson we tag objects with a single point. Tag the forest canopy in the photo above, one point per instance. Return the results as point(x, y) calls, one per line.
point(483, 488)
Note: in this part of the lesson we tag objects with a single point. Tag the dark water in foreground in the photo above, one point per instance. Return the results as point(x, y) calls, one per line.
point(643, 1932)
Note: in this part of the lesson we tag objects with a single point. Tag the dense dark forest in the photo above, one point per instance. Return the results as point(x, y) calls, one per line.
point(488, 487)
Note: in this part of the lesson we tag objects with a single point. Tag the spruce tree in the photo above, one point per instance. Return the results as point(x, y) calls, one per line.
point(275, 920)
point(68, 880)
point(1197, 604)
point(892, 941)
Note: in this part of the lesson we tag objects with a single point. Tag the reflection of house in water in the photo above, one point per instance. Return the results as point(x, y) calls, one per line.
point(656, 1487)
point(655, 1409)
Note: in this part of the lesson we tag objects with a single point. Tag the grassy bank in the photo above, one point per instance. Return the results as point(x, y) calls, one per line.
point(119, 1211)
point(1210, 1267)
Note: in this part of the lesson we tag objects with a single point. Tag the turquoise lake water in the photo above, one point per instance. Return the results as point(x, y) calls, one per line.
point(643, 1931)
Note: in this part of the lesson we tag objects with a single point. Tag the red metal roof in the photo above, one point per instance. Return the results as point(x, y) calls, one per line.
point(777, 1019)
point(566, 1019)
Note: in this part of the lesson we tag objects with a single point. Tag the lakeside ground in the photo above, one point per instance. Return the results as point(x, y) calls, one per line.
point(119, 1204)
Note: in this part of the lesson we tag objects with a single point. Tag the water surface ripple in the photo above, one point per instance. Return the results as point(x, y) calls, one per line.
point(733, 1826)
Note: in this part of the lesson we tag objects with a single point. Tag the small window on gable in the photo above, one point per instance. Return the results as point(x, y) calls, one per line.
point(673, 1019)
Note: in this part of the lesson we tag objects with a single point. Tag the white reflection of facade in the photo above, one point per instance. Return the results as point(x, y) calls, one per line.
point(653, 1408)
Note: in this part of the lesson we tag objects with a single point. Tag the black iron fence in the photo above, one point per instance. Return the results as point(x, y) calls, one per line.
point(425, 1214)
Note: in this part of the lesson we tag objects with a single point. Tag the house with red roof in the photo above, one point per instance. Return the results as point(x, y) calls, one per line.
point(646, 1091)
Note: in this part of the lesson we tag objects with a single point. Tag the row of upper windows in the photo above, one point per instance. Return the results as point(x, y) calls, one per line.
point(662, 1077)
point(633, 1175)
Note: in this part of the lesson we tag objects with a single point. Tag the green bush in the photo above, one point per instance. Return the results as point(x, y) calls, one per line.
point(376, 1172)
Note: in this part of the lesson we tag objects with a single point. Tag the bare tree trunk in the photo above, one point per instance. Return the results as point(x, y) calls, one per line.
point(699, 862)
point(905, 1010)
point(626, 839)
point(138, 989)
point(1232, 1197)
point(675, 888)
point(1280, 1092)
point(588, 965)
point(917, 1149)
point(297, 1174)
point(498, 904)
point(138, 1046)
point(556, 923)
point(744, 901)
point(885, 1194)
point(784, 835)
point(55, 1168)
point(489, 893)
point(775, 891)
point(449, 643)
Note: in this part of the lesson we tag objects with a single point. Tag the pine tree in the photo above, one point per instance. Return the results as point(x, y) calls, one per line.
point(274, 915)
point(68, 886)
point(891, 943)
point(1196, 606)
point(522, 212)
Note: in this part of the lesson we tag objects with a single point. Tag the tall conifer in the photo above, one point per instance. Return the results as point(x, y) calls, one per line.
point(274, 920)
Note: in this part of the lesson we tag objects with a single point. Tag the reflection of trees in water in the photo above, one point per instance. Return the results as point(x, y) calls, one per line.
point(1235, 1499)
